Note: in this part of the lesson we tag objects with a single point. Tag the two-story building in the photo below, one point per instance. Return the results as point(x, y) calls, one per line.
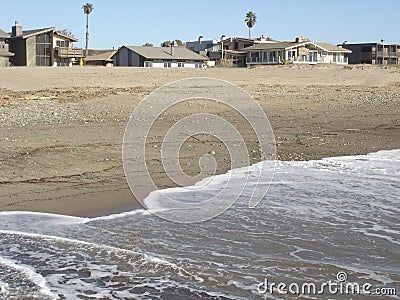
point(42, 47)
point(232, 49)
point(204, 47)
point(373, 53)
point(5, 54)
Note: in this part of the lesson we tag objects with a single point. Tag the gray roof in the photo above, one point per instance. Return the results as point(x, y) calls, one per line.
point(288, 45)
point(29, 33)
point(266, 46)
point(332, 48)
point(72, 38)
point(106, 56)
point(4, 34)
point(165, 53)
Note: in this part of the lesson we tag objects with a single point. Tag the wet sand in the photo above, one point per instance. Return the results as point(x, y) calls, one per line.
point(61, 129)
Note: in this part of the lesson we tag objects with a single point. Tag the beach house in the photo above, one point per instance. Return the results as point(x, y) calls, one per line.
point(232, 49)
point(158, 57)
point(373, 53)
point(101, 59)
point(5, 54)
point(42, 47)
point(301, 51)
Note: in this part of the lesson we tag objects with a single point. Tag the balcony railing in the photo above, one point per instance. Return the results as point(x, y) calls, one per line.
point(66, 52)
point(335, 60)
point(297, 60)
point(4, 50)
point(387, 54)
point(250, 60)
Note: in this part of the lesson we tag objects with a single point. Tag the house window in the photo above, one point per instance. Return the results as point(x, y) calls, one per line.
point(148, 64)
point(62, 62)
point(292, 55)
point(336, 57)
point(181, 64)
point(324, 53)
point(43, 49)
point(62, 43)
point(167, 65)
point(272, 56)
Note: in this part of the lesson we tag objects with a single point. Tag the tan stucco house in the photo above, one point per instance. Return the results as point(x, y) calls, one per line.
point(301, 51)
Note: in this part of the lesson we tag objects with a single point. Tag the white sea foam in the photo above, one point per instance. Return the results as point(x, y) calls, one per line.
point(31, 275)
point(4, 289)
point(318, 217)
point(142, 212)
point(59, 219)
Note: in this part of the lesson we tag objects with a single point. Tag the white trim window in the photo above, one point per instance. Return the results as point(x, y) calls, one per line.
point(336, 57)
point(181, 64)
point(167, 65)
point(292, 55)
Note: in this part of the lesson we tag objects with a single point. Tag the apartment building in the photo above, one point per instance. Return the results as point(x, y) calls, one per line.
point(373, 53)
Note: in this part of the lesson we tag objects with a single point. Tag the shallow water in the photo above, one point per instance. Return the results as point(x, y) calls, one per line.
point(318, 218)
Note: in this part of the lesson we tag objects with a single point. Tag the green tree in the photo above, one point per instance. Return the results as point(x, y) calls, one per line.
point(87, 10)
point(251, 20)
point(66, 32)
point(168, 43)
point(148, 45)
point(179, 43)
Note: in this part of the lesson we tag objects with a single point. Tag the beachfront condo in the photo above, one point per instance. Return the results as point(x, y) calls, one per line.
point(374, 53)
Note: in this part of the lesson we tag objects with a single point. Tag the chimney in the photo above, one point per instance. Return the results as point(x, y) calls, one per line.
point(302, 39)
point(173, 44)
point(201, 39)
point(16, 30)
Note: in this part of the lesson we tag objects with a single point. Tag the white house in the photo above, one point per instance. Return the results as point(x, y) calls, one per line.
point(158, 57)
point(301, 51)
point(204, 46)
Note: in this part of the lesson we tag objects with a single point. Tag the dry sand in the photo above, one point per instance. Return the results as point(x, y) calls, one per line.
point(61, 129)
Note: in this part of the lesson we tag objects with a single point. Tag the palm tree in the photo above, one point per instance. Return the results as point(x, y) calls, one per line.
point(251, 20)
point(87, 10)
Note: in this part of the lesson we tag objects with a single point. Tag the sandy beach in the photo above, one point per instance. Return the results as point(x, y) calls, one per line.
point(61, 129)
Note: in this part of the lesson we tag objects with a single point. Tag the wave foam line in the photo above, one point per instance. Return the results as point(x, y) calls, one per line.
point(141, 256)
point(32, 276)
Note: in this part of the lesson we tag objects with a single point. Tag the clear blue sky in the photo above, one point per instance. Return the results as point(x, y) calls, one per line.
point(124, 22)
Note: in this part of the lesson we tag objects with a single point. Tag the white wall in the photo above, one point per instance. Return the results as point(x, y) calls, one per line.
point(55, 39)
point(173, 65)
